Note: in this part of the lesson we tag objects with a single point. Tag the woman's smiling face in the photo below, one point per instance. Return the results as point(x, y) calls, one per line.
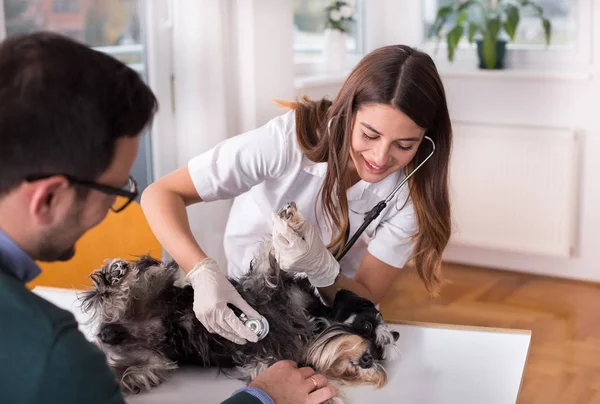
point(384, 139)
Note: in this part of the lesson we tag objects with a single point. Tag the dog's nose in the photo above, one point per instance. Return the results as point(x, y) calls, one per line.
point(366, 361)
point(112, 334)
point(396, 335)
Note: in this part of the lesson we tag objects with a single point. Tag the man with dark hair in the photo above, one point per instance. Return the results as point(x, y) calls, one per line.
point(70, 125)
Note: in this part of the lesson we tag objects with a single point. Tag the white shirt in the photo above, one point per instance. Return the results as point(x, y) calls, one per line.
point(264, 169)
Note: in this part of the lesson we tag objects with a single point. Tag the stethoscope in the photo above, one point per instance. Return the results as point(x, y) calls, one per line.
point(260, 326)
point(377, 209)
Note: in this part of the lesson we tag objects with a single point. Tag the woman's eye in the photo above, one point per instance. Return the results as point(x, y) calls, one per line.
point(368, 327)
point(405, 148)
point(368, 137)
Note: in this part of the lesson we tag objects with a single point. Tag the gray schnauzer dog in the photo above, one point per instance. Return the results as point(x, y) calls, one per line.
point(147, 328)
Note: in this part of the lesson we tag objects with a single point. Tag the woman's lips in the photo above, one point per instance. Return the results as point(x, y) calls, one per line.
point(374, 169)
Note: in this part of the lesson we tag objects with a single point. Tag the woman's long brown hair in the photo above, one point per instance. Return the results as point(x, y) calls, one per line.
point(408, 80)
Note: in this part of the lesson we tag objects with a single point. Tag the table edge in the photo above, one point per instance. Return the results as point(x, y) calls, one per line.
point(459, 327)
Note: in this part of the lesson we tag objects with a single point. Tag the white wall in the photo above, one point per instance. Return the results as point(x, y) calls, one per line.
point(555, 102)
point(264, 59)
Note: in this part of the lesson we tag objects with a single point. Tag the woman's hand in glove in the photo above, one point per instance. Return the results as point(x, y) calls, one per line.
point(212, 292)
point(300, 249)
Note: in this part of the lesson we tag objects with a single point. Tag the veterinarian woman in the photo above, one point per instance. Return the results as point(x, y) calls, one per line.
point(336, 160)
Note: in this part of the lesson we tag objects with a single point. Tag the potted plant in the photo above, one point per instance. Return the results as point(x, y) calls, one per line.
point(486, 20)
point(337, 23)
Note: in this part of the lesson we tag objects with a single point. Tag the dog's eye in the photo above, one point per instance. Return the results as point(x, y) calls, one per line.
point(367, 327)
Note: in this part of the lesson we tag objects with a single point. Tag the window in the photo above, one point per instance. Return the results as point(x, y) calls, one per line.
point(309, 26)
point(110, 26)
point(530, 34)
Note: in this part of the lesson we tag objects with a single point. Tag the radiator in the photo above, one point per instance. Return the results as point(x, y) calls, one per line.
point(514, 188)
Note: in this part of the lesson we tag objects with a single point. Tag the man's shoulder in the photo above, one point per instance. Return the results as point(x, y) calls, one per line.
point(30, 324)
point(45, 355)
point(28, 310)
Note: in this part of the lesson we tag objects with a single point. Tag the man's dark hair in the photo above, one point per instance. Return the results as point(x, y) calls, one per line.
point(63, 105)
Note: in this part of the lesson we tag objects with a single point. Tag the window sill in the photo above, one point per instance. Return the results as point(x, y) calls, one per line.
point(517, 74)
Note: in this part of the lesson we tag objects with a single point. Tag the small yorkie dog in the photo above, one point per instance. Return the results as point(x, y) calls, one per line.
point(147, 328)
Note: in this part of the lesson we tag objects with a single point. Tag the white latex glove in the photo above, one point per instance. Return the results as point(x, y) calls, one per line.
point(302, 250)
point(212, 292)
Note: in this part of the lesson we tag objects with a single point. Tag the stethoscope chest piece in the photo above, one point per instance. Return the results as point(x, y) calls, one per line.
point(259, 326)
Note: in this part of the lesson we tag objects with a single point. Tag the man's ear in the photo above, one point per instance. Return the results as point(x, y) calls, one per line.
point(48, 197)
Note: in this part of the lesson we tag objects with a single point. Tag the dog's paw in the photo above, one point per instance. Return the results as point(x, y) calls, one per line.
point(288, 210)
point(115, 271)
point(291, 215)
point(138, 379)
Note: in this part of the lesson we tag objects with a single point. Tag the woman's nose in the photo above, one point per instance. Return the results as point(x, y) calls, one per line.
point(381, 155)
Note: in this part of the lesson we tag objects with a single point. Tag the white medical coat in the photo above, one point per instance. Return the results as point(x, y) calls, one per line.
point(264, 168)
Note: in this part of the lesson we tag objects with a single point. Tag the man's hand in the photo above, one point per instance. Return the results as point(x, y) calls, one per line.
point(285, 383)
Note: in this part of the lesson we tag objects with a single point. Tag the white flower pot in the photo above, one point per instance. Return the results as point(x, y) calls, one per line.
point(335, 50)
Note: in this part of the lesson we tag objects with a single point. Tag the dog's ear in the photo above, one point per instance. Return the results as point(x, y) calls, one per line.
point(147, 261)
point(347, 303)
point(344, 295)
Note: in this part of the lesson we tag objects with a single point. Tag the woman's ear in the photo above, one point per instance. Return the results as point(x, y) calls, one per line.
point(49, 198)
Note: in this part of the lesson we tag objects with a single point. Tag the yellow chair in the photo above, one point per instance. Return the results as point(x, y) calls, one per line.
point(124, 235)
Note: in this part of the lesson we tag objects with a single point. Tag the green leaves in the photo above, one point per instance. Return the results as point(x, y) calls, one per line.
point(540, 13)
point(440, 20)
point(453, 38)
point(473, 28)
point(539, 10)
point(547, 29)
point(467, 4)
point(493, 27)
point(512, 20)
point(474, 17)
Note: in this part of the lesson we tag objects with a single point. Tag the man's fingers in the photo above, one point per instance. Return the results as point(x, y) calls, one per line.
point(306, 372)
point(316, 382)
point(322, 394)
point(284, 363)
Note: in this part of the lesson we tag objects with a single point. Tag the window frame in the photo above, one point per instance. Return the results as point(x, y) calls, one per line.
point(576, 57)
point(2, 22)
point(312, 62)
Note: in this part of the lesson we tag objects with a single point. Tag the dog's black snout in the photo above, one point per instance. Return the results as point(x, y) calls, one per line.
point(396, 335)
point(112, 334)
point(366, 361)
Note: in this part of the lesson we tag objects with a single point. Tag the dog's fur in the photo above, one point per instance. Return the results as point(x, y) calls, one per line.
point(147, 328)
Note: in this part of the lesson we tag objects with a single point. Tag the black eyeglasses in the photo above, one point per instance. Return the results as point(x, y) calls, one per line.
point(124, 195)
